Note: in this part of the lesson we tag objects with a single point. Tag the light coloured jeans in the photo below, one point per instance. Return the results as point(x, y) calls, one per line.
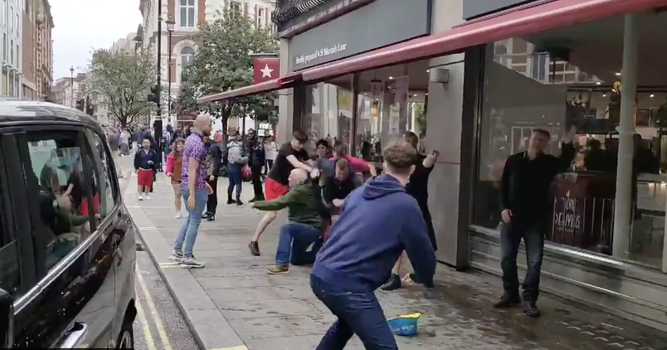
point(188, 233)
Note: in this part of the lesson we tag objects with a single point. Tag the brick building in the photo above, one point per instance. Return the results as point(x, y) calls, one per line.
point(37, 50)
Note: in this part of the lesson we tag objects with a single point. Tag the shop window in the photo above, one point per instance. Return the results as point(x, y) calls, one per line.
point(577, 88)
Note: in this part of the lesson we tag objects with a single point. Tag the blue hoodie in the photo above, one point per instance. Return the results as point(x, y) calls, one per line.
point(379, 221)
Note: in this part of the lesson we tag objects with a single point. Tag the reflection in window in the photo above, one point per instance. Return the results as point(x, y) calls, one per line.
point(529, 83)
point(328, 114)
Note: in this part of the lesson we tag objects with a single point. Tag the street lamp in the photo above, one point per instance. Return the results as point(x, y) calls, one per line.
point(71, 73)
point(158, 117)
point(170, 28)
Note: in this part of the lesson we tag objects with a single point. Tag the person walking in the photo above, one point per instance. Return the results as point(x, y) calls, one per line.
point(144, 166)
point(114, 144)
point(257, 158)
point(213, 164)
point(194, 190)
point(125, 141)
point(379, 221)
point(270, 152)
point(236, 160)
point(525, 204)
point(174, 170)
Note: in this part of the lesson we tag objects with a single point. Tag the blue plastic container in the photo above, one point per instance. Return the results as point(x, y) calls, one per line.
point(404, 326)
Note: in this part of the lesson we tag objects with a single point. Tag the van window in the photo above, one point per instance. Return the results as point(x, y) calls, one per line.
point(62, 194)
point(10, 272)
point(103, 176)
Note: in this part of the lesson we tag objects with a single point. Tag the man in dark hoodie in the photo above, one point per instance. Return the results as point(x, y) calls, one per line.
point(213, 164)
point(378, 221)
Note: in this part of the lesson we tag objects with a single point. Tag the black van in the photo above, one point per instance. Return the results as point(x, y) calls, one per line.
point(67, 247)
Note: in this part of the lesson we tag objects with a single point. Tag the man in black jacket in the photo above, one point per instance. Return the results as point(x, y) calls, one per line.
point(213, 164)
point(525, 205)
point(256, 158)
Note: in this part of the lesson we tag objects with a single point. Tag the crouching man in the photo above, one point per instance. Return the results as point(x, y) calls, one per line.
point(305, 225)
point(377, 222)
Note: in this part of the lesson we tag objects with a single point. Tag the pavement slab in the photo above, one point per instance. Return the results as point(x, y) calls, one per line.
point(232, 304)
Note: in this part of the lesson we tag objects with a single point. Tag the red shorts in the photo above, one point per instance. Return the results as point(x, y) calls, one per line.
point(274, 189)
point(145, 178)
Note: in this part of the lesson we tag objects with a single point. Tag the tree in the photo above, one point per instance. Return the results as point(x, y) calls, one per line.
point(122, 81)
point(223, 62)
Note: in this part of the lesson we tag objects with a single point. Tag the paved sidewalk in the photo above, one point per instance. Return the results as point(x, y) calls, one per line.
point(232, 304)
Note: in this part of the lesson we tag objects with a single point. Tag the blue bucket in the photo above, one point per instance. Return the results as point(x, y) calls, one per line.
point(404, 326)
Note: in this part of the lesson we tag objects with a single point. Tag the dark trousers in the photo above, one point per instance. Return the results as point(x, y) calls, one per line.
point(510, 238)
point(268, 166)
point(212, 203)
point(235, 180)
point(358, 313)
point(293, 243)
point(257, 182)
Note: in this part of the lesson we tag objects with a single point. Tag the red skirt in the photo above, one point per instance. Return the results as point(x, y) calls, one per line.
point(274, 189)
point(145, 178)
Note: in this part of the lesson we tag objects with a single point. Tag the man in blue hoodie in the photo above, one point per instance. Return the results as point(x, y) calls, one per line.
point(378, 221)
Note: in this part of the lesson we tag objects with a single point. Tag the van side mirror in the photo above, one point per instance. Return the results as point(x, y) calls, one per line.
point(6, 320)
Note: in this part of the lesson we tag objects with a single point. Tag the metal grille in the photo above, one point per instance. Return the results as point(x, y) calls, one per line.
point(287, 10)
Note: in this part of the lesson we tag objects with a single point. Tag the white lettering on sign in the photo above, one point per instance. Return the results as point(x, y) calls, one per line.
point(569, 220)
point(323, 52)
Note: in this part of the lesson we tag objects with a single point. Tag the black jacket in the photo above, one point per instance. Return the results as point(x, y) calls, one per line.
point(255, 151)
point(215, 153)
point(137, 159)
point(525, 183)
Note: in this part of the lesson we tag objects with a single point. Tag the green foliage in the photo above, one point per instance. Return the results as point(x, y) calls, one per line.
point(223, 62)
point(420, 111)
point(122, 81)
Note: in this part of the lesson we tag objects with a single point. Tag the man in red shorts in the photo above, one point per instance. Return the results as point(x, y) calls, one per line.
point(290, 156)
point(144, 166)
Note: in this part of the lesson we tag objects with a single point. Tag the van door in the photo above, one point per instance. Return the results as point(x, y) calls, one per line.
point(72, 304)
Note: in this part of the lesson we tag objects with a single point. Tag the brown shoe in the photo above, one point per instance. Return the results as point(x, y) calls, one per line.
point(277, 269)
point(530, 309)
point(254, 248)
point(507, 301)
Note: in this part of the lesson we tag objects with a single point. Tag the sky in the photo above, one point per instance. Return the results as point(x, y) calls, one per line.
point(84, 25)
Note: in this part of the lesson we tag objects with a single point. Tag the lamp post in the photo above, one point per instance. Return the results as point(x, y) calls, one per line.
point(170, 28)
point(71, 74)
point(158, 117)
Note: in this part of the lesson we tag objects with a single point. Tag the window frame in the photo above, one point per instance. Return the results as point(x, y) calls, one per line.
point(90, 136)
point(187, 7)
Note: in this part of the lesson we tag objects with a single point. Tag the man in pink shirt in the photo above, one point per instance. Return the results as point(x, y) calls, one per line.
point(357, 164)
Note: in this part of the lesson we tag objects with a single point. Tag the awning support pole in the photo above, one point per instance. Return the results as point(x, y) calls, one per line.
point(623, 202)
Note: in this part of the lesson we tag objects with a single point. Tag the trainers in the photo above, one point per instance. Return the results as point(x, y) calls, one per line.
point(176, 256)
point(148, 197)
point(393, 283)
point(238, 202)
point(530, 309)
point(231, 201)
point(211, 218)
point(507, 301)
point(177, 215)
point(206, 215)
point(254, 248)
point(192, 263)
point(141, 198)
point(252, 200)
point(277, 269)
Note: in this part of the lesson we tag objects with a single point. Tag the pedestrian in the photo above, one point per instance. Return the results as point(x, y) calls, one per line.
point(194, 190)
point(125, 142)
point(524, 200)
point(291, 155)
point(418, 189)
point(257, 158)
point(213, 164)
point(270, 152)
point(174, 170)
point(144, 166)
point(113, 138)
point(236, 160)
point(379, 220)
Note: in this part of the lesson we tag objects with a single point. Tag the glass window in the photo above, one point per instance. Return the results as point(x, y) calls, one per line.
point(187, 54)
point(62, 193)
point(187, 13)
point(103, 189)
point(576, 89)
point(10, 272)
point(328, 112)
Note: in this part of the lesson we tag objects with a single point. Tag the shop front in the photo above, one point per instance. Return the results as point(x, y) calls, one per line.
point(473, 80)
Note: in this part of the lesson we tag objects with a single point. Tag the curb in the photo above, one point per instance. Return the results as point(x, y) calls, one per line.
point(209, 327)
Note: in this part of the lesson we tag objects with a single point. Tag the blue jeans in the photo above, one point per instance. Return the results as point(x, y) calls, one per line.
point(188, 233)
point(294, 241)
point(235, 180)
point(358, 313)
point(510, 239)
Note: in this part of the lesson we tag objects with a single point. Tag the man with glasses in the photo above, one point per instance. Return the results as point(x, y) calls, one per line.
point(291, 155)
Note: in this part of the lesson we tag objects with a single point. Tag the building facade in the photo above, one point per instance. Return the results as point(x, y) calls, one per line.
point(12, 46)
point(37, 50)
point(475, 78)
point(188, 15)
point(65, 91)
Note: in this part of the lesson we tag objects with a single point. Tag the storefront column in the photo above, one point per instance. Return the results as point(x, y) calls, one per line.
point(355, 114)
point(623, 201)
point(285, 103)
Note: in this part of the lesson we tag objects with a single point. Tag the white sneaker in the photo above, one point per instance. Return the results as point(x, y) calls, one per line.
point(178, 215)
point(192, 263)
point(148, 197)
point(141, 198)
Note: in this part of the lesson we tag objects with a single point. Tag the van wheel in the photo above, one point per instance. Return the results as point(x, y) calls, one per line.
point(126, 338)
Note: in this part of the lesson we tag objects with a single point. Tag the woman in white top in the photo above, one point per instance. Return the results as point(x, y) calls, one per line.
point(271, 151)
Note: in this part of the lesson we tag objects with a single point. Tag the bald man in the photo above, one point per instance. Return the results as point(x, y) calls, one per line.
point(195, 190)
point(305, 225)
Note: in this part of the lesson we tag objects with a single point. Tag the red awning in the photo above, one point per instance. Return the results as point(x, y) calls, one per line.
point(259, 88)
point(524, 20)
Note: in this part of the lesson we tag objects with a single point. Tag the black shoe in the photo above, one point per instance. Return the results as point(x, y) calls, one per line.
point(231, 201)
point(206, 215)
point(254, 248)
point(211, 218)
point(238, 202)
point(415, 278)
point(507, 301)
point(393, 283)
point(252, 200)
point(530, 309)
